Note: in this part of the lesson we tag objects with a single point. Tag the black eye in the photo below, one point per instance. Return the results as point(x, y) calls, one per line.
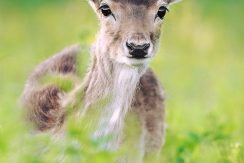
point(161, 12)
point(105, 10)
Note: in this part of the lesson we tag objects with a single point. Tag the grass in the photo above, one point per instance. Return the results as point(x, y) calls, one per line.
point(200, 63)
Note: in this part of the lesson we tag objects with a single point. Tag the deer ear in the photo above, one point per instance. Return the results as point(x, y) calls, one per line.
point(171, 2)
point(94, 4)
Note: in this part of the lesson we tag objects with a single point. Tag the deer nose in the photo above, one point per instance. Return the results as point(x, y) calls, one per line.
point(138, 51)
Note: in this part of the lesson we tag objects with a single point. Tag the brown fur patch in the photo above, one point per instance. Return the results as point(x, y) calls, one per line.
point(149, 92)
point(66, 65)
point(44, 108)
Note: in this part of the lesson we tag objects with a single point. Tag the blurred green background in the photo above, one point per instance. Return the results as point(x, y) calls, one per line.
point(200, 63)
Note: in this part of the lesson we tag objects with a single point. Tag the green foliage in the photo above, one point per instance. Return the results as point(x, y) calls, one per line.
point(61, 82)
point(27, 4)
point(200, 63)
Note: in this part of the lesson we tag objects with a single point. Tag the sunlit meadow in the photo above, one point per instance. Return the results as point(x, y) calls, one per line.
point(200, 64)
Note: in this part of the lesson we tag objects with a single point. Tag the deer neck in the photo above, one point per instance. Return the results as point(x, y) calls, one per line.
point(116, 83)
point(107, 77)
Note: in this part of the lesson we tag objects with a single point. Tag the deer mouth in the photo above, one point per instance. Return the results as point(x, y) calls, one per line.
point(138, 57)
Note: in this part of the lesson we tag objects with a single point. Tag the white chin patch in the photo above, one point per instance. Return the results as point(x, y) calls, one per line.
point(134, 62)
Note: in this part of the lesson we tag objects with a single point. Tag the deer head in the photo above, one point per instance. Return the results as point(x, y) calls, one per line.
point(130, 29)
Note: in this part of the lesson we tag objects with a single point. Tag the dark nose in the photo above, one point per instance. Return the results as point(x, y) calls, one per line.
point(138, 51)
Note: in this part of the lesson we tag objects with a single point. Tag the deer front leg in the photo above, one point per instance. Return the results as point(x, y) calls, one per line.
point(148, 105)
point(154, 130)
point(146, 132)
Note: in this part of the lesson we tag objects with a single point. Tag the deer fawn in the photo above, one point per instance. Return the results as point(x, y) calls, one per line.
point(127, 41)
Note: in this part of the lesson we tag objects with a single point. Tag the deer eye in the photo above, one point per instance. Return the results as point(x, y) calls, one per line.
point(105, 10)
point(161, 12)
